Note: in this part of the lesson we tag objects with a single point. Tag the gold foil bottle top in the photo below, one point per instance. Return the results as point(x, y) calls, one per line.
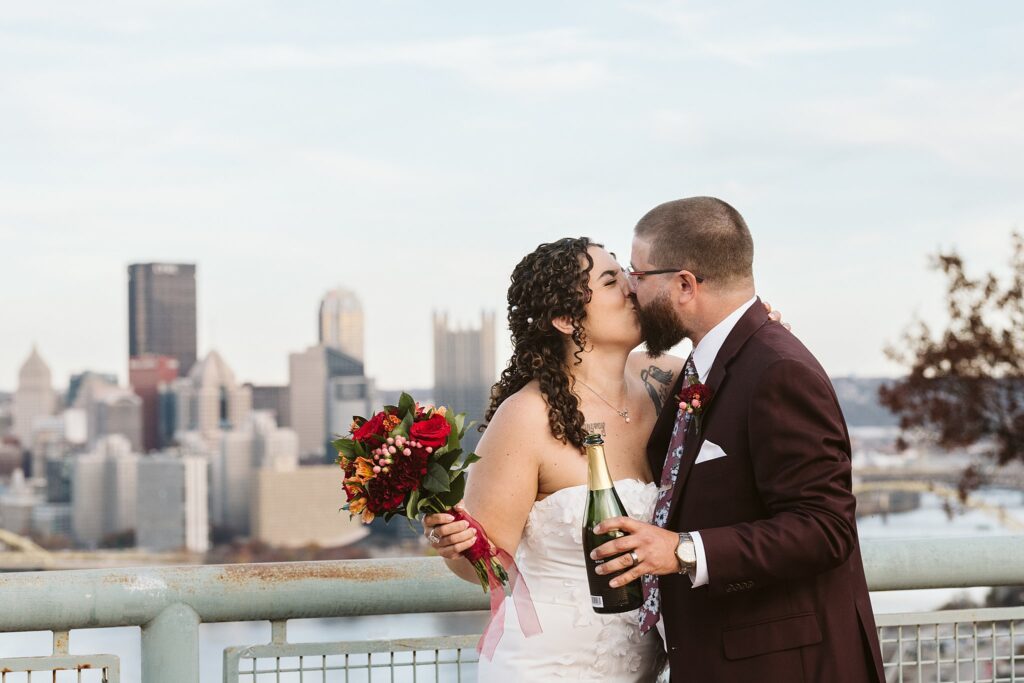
point(598, 478)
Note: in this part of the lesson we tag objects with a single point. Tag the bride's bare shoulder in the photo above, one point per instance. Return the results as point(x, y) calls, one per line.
point(525, 409)
point(518, 427)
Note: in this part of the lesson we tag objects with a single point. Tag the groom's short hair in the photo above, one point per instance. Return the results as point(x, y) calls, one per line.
point(701, 234)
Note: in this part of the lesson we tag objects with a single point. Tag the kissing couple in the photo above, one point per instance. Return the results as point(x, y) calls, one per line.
point(741, 523)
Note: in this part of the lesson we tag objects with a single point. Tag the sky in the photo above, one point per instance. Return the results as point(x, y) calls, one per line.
point(414, 152)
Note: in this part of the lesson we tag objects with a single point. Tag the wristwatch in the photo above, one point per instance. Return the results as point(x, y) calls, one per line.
point(686, 553)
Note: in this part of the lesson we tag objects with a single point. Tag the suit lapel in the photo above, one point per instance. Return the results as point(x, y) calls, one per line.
point(752, 320)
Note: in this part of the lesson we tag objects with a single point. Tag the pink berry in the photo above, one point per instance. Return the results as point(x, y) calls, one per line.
point(429, 450)
point(392, 450)
point(376, 469)
point(407, 452)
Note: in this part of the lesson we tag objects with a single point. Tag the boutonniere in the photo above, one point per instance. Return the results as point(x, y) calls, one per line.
point(695, 399)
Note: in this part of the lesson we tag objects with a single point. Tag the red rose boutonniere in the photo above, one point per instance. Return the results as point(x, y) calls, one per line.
point(695, 399)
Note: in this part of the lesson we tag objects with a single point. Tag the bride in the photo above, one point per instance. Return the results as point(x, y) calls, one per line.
point(574, 325)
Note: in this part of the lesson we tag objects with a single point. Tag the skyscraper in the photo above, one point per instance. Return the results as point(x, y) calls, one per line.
point(104, 490)
point(209, 399)
point(110, 409)
point(34, 398)
point(146, 375)
point(173, 505)
point(162, 311)
point(309, 374)
point(341, 322)
point(464, 369)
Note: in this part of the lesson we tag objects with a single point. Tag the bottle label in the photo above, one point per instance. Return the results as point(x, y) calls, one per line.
point(596, 601)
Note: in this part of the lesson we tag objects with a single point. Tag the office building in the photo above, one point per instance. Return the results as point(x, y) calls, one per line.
point(162, 311)
point(300, 507)
point(104, 491)
point(173, 503)
point(309, 373)
point(341, 322)
point(209, 400)
point(148, 375)
point(464, 369)
point(34, 397)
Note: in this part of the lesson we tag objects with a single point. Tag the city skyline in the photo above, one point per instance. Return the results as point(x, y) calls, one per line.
point(416, 162)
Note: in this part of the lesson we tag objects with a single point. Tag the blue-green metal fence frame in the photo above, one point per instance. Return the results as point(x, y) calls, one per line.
point(170, 603)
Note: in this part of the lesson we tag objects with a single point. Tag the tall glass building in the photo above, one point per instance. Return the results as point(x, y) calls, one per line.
point(162, 311)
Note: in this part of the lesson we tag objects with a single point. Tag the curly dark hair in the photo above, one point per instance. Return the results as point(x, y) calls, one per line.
point(550, 282)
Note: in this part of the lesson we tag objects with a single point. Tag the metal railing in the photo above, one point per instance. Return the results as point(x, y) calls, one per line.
point(170, 603)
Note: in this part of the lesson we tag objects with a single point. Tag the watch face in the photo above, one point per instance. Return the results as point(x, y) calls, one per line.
point(687, 552)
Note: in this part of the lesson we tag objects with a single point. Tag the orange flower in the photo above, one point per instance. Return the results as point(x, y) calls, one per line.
point(364, 469)
point(390, 422)
point(357, 506)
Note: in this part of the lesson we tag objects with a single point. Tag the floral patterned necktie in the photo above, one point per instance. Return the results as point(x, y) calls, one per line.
point(650, 611)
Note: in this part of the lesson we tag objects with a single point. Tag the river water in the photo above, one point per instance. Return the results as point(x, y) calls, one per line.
point(930, 520)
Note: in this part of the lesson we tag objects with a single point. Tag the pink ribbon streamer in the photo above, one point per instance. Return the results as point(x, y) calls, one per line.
point(525, 611)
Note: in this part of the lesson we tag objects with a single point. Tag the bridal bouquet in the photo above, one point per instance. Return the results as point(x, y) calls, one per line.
point(408, 460)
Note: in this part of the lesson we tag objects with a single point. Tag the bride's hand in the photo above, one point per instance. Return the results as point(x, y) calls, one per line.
point(776, 315)
point(448, 537)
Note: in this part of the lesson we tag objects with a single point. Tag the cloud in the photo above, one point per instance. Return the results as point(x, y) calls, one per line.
point(971, 125)
point(551, 61)
point(727, 33)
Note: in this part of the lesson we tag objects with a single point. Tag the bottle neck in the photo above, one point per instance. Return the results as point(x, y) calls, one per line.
point(598, 478)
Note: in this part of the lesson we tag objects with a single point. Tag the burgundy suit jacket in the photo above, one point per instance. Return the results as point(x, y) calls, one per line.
point(787, 599)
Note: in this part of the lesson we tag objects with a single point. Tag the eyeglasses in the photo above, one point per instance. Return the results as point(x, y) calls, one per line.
point(633, 276)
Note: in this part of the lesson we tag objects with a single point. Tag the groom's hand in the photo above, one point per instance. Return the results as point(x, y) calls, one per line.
point(655, 549)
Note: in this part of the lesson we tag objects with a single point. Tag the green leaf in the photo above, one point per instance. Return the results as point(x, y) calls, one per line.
point(346, 447)
point(458, 489)
point(411, 507)
point(403, 428)
point(436, 480)
point(406, 405)
point(460, 422)
point(447, 459)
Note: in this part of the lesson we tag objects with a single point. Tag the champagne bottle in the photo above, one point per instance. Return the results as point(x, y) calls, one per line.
point(604, 503)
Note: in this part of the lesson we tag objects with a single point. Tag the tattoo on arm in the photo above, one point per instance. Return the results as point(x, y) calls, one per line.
point(595, 428)
point(658, 383)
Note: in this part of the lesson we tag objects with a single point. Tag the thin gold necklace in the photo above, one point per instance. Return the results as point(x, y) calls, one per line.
point(624, 413)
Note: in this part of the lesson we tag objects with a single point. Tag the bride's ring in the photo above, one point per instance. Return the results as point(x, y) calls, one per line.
point(633, 556)
point(433, 536)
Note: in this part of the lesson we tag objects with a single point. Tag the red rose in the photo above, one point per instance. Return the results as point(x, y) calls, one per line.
point(372, 427)
point(432, 432)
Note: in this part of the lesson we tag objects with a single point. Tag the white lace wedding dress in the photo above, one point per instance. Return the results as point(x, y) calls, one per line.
point(576, 643)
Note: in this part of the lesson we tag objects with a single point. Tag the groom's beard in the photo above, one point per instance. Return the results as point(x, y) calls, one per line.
point(659, 326)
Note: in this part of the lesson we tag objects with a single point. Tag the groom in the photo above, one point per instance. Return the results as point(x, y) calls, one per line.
point(752, 565)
